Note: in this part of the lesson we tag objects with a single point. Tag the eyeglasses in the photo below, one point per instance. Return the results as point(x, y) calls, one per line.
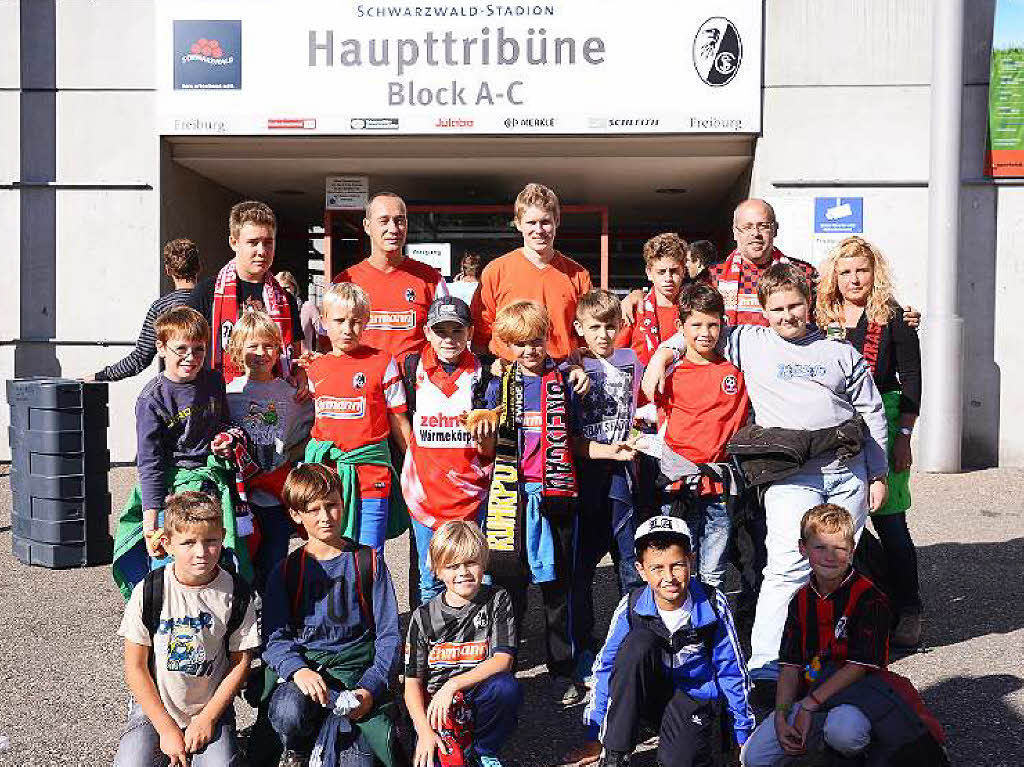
point(183, 352)
point(761, 226)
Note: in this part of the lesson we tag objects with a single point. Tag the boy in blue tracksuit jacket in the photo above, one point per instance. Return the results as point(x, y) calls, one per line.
point(671, 655)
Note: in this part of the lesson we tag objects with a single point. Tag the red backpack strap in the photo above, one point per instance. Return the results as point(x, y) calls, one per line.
point(294, 572)
point(365, 563)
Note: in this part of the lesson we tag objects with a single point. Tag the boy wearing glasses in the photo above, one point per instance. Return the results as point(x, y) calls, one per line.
point(178, 416)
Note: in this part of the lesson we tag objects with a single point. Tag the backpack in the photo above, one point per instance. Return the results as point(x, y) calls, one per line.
point(409, 382)
point(366, 569)
point(153, 604)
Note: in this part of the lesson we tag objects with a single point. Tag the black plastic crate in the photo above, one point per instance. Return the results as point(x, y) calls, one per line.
point(66, 532)
point(51, 555)
point(55, 393)
point(58, 510)
point(68, 487)
point(69, 419)
point(53, 442)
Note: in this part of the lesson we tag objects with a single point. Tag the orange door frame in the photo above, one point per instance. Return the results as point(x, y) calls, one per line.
point(601, 210)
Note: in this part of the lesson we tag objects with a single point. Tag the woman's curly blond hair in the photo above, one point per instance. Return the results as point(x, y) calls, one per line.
point(881, 301)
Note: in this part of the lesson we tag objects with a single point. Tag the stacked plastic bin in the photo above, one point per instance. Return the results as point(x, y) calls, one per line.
point(59, 467)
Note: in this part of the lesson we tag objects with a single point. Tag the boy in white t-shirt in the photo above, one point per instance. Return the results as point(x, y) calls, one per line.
point(604, 419)
point(189, 630)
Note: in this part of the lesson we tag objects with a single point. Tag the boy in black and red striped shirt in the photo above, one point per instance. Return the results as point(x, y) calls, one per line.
point(836, 634)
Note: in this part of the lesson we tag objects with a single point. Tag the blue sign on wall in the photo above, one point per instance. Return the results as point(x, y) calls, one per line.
point(838, 215)
point(207, 55)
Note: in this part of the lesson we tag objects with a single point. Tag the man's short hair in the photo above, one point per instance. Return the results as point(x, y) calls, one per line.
point(348, 295)
point(827, 518)
point(457, 541)
point(600, 304)
point(309, 483)
point(666, 245)
point(781, 276)
point(250, 212)
point(191, 507)
point(181, 321)
point(537, 196)
point(521, 321)
point(700, 297)
point(181, 259)
point(253, 323)
point(376, 196)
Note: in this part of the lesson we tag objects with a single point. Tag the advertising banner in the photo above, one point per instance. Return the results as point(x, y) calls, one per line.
point(1006, 91)
point(445, 67)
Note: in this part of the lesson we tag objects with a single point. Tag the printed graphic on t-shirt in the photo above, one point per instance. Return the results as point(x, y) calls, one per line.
point(787, 371)
point(606, 411)
point(185, 651)
point(342, 408)
point(392, 320)
point(445, 654)
point(440, 430)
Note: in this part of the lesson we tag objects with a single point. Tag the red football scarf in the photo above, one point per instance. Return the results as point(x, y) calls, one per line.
point(226, 312)
point(647, 322)
point(738, 273)
point(872, 341)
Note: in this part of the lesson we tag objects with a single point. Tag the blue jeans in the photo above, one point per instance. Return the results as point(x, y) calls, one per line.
point(901, 557)
point(787, 570)
point(140, 743)
point(495, 702)
point(708, 520)
point(430, 584)
point(297, 721)
point(276, 530)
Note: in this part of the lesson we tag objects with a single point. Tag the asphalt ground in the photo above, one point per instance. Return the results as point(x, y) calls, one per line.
point(63, 699)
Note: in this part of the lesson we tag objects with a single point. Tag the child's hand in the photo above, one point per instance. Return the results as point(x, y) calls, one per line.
point(440, 705)
point(220, 445)
point(498, 367)
point(300, 381)
point(630, 304)
point(427, 743)
point(172, 743)
point(579, 380)
point(653, 382)
point(789, 737)
point(312, 685)
point(198, 733)
point(622, 451)
point(877, 491)
point(802, 725)
point(303, 360)
point(155, 543)
point(365, 704)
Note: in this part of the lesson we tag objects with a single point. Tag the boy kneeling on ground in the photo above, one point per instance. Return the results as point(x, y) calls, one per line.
point(671, 655)
point(188, 630)
point(834, 692)
point(460, 688)
point(331, 623)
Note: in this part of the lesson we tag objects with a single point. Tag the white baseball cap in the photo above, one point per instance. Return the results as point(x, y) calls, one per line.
point(664, 524)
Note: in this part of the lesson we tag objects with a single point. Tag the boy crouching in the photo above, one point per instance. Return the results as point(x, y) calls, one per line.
point(188, 630)
point(671, 656)
point(459, 685)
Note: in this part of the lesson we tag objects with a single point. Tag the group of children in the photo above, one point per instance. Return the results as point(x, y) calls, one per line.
point(525, 472)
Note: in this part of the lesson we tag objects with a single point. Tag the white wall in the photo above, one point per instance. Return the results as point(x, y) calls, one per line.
point(846, 101)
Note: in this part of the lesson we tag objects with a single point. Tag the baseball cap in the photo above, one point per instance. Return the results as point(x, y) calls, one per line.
point(449, 309)
point(664, 524)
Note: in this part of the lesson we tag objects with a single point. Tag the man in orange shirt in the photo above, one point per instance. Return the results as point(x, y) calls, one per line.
point(400, 288)
point(537, 272)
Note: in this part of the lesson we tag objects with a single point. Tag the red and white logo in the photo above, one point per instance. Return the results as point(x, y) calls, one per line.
point(392, 320)
point(730, 385)
point(341, 408)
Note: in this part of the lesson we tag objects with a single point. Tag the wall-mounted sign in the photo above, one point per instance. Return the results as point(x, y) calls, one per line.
point(1005, 156)
point(437, 254)
point(347, 192)
point(839, 215)
point(451, 67)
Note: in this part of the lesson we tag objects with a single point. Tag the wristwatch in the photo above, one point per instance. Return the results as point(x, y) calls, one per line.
point(906, 431)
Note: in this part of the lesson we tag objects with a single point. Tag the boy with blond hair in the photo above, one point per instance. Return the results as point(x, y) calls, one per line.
point(604, 455)
point(263, 404)
point(530, 521)
point(179, 417)
point(536, 271)
point(665, 263)
point(359, 402)
point(799, 382)
point(460, 689)
point(189, 631)
point(332, 636)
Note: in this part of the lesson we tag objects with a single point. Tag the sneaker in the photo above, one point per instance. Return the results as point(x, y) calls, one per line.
point(574, 694)
point(293, 759)
point(908, 630)
point(488, 761)
point(613, 759)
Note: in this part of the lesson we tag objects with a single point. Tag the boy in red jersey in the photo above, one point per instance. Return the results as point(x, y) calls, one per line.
point(359, 402)
point(706, 402)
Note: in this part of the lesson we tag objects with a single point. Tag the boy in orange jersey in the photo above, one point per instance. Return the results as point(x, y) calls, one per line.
point(359, 402)
point(537, 272)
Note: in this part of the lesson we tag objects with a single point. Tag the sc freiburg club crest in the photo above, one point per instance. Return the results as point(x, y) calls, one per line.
point(717, 51)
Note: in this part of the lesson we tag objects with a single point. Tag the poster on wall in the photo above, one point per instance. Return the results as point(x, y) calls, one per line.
point(408, 67)
point(1005, 156)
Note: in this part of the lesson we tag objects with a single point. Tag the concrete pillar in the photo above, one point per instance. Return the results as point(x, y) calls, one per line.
point(942, 347)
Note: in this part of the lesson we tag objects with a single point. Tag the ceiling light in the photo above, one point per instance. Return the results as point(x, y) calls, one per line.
point(287, 192)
